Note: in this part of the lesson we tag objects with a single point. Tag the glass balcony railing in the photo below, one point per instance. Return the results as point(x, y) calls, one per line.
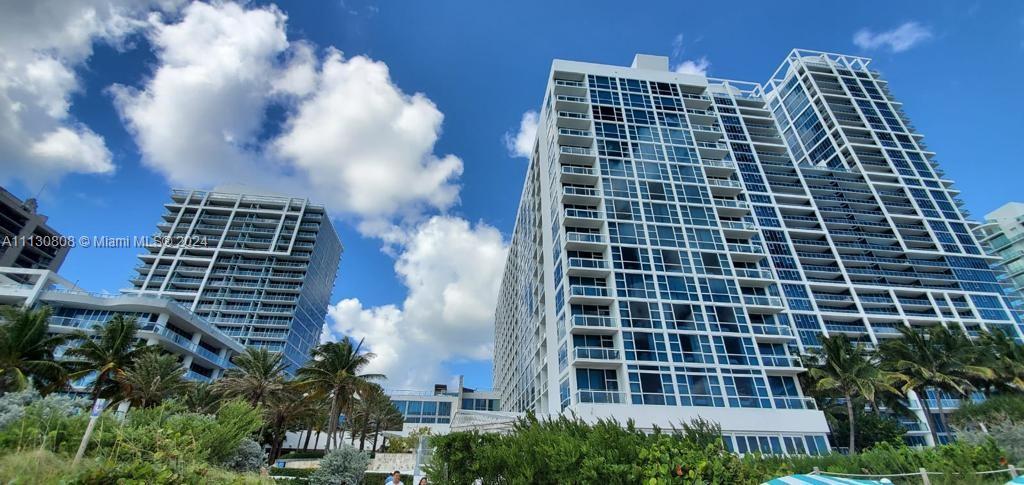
point(581, 191)
point(795, 403)
point(582, 214)
point(580, 290)
point(587, 263)
point(596, 353)
point(763, 274)
point(585, 237)
point(746, 248)
point(762, 300)
point(778, 330)
point(592, 321)
point(594, 396)
point(571, 150)
point(574, 170)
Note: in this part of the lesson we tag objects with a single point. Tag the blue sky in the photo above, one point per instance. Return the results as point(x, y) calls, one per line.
point(134, 98)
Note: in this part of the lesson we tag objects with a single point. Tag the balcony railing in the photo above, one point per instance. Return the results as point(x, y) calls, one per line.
point(585, 237)
point(590, 396)
point(580, 290)
point(762, 300)
point(582, 214)
point(596, 353)
point(592, 321)
point(587, 263)
point(763, 274)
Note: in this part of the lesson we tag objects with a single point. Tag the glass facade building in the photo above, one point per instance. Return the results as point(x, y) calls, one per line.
point(1002, 234)
point(681, 240)
point(260, 268)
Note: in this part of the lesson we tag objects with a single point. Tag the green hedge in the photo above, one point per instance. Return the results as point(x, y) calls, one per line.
point(292, 472)
point(302, 455)
point(570, 451)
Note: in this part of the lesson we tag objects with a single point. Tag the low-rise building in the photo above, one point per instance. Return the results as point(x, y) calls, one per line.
point(205, 351)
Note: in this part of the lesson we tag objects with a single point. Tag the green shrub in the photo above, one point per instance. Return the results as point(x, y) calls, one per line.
point(292, 472)
point(379, 478)
point(345, 465)
point(566, 450)
point(302, 455)
point(248, 456)
point(995, 409)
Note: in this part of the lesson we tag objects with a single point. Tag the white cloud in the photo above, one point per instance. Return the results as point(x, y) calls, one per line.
point(688, 66)
point(698, 67)
point(520, 144)
point(349, 137)
point(452, 270)
point(42, 42)
point(897, 40)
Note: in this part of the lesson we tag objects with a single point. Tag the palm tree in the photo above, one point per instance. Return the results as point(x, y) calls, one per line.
point(201, 398)
point(938, 359)
point(26, 350)
point(335, 372)
point(155, 377)
point(377, 413)
point(107, 354)
point(284, 409)
point(258, 374)
point(1001, 353)
point(850, 372)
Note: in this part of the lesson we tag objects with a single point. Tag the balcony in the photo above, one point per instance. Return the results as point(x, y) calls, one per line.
point(569, 136)
point(725, 188)
point(585, 241)
point(782, 364)
point(754, 277)
point(593, 324)
point(583, 217)
point(795, 403)
point(719, 168)
point(576, 121)
point(738, 229)
point(696, 101)
point(594, 396)
point(772, 333)
point(750, 253)
point(762, 304)
point(710, 150)
point(576, 155)
point(571, 88)
point(596, 354)
point(732, 208)
point(568, 102)
point(582, 294)
point(708, 133)
point(572, 174)
point(588, 267)
point(580, 195)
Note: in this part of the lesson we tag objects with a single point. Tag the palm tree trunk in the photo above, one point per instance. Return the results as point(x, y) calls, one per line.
point(376, 433)
point(942, 416)
point(362, 439)
point(332, 426)
point(927, 413)
point(309, 432)
point(853, 427)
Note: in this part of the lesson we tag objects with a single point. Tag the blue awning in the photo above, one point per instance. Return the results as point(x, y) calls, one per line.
point(819, 480)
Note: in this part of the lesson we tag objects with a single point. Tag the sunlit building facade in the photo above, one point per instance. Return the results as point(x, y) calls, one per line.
point(260, 268)
point(682, 240)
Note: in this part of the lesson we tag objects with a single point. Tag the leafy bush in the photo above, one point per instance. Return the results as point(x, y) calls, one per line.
point(872, 429)
point(995, 409)
point(344, 465)
point(566, 450)
point(1007, 435)
point(302, 455)
point(247, 457)
point(407, 444)
point(54, 423)
point(292, 472)
point(168, 433)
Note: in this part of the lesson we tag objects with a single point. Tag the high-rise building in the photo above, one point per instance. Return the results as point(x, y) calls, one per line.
point(26, 241)
point(681, 240)
point(260, 268)
point(1003, 236)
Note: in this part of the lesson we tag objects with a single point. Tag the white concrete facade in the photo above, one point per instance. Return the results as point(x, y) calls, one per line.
point(681, 240)
point(261, 268)
point(204, 351)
